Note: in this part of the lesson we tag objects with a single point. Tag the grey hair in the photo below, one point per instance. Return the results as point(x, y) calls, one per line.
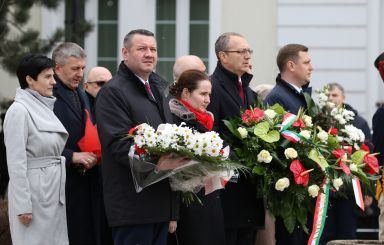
point(129, 36)
point(222, 42)
point(332, 86)
point(66, 50)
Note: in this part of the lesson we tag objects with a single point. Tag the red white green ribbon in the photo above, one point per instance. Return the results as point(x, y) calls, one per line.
point(358, 194)
point(320, 214)
point(289, 135)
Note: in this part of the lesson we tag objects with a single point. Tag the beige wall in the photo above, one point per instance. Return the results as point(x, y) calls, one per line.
point(9, 83)
point(257, 21)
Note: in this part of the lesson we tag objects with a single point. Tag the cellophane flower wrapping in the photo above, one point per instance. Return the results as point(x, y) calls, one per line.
point(294, 154)
point(208, 158)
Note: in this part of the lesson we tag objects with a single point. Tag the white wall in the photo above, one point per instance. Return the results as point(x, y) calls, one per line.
point(343, 37)
point(256, 20)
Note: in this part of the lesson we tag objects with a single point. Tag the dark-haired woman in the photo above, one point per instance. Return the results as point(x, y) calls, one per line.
point(35, 139)
point(201, 224)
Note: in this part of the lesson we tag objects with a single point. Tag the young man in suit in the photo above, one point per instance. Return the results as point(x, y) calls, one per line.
point(135, 95)
point(243, 211)
point(82, 187)
point(295, 68)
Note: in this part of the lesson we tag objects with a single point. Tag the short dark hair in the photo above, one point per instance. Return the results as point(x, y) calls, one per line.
point(222, 42)
point(32, 65)
point(289, 52)
point(190, 80)
point(129, 36)
point(378, 59)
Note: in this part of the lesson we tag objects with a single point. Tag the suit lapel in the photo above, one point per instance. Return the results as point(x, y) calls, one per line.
point(232, 92)
point(67, 100)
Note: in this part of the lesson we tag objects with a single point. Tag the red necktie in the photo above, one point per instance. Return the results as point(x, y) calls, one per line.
point(148, 88)
point(241, 91)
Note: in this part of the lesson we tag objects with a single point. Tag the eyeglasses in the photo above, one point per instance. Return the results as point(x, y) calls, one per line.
point(241, 52)
point(99, 83)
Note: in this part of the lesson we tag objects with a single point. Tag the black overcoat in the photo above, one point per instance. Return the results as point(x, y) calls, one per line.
point(121, 104)
point(241, 206)
point(82, 190)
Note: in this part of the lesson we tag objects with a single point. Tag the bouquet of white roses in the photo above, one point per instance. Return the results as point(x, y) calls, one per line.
point(208, 160)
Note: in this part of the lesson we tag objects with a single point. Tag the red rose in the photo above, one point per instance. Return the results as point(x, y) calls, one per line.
point(333, 131)
point(297, 169)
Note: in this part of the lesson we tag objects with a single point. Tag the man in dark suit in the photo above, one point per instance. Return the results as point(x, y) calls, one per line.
point(243, 211)
point(132, 97)
point(295, 68)
point(82, 188)
point(378, 142)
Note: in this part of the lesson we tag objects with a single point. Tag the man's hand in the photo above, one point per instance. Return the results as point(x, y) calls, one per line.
point(170, 161)
point(25, 219)
point(87, 159)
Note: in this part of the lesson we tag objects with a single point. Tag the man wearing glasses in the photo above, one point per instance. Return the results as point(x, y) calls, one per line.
point(243, 212)
point(97, 77)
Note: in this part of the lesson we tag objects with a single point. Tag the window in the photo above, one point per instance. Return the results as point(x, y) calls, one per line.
point(107, 34)
point(194, 33)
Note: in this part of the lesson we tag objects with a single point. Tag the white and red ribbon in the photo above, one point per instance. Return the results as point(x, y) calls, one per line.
point(358, 194)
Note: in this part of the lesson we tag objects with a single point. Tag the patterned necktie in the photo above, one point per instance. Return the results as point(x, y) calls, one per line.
point(148, 88)
point(241, 91)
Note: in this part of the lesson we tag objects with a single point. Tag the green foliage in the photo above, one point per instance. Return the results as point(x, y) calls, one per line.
point(13, 46)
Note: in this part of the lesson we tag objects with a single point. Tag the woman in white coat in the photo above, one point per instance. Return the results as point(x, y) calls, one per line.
point(34, 140)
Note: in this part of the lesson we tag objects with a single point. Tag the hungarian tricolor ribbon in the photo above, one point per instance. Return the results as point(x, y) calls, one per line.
point(320, 214)
point(357, 191)
point(287, 123)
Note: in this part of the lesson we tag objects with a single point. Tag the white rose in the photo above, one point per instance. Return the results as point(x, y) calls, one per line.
point(353, 167)
point(290, 153)
point(243, 132)
point(264, 156)
point(270, 113)
point(307, 120)
point(313, 190)
point(323, 136)
point(305, 133)
point(281, 184)
point(337, 183)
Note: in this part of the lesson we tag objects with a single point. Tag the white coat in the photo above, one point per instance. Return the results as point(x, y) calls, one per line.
point(34, 139)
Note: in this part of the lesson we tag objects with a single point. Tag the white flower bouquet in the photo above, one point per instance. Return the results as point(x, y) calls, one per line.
point(207, 159)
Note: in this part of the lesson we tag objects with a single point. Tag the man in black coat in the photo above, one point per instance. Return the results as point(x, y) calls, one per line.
point(132, 97)
point(243, 210)
point(82, 188)
point(378, 142)
point(295, 69)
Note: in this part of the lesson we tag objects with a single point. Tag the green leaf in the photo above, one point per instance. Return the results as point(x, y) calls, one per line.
point(261, 129)
point(271, 136)
point(333, 142)
point(278, 109)
point(316, 156)
point(289, 221)
point(260, 170)
point(358, 156)
point(312, 108)
point(232, 128)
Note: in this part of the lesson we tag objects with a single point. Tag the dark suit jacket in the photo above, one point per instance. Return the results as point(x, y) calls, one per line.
point(120, 105)
point(81, 189)
point(287, 96)
point(378, 134)
point(242, 208)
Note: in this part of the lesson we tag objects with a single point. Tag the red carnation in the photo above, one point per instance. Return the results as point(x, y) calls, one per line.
point(251, 116)
point(298, 170)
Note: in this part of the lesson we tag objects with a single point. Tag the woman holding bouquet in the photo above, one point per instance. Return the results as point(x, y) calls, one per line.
point(199, 223)
point(35, 138)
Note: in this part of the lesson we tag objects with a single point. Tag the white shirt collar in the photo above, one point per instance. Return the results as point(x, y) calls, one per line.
point(297, 88)
point(142, 80)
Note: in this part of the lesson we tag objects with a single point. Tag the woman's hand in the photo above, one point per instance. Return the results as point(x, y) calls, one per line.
point(170, 161)
point(172, 226)
point(25, 219)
